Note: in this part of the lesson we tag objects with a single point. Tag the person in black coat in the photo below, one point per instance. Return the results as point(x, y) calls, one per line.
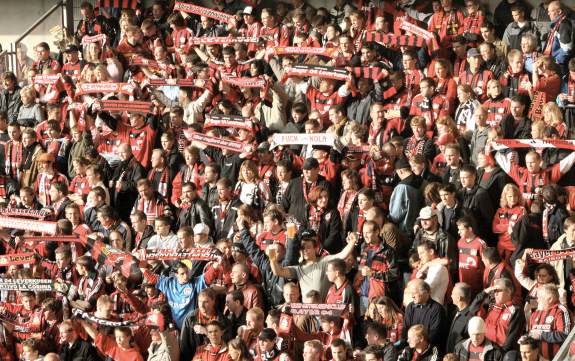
point(124, 180)
point(425, 311)
point(527, 232)
point(73, 348)
point(517, 125)
point(477, 203)
point(449, 210)
point(193, 209)
point(458, 315)
point(324, 220)
point(224, 213)
point(294, 198)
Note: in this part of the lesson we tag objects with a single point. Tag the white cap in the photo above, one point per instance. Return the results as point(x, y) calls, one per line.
point(201, 228)
point(249, 10)
point(476, 325)
point(427, 213)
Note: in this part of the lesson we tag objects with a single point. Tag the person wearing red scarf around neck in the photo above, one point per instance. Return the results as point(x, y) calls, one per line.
point(446, 85)
point(119, 347)
point(159, 175)
point(378, 272)
point(27, 313)
point(413, 75)
point(429, 104)
point(324, 220)
point(476, 75)
point(497, 105)
point(351, 184)
point(515, 80)
point(47, 176)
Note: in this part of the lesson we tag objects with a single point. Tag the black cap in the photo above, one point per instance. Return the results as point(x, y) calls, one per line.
point(310, 163)
point(401, 163)
point(71, 49)
point(267, 334)
point(325, 148)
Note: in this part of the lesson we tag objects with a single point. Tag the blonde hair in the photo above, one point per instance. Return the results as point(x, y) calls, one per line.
point(509, 187)
point(554, 111)
point(251, 165)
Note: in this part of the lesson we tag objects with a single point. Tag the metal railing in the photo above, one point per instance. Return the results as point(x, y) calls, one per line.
point(67, 21)
point(563, 354)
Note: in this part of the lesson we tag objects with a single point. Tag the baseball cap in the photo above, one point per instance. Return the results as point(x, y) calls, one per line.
point(427, 213)
point(248, 10)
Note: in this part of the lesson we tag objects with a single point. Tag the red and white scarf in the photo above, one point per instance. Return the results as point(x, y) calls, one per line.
point(345, 202)
point(163, 183)
point(315, 214)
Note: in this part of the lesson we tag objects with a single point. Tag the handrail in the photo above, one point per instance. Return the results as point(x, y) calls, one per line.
point(563, 353)
point(40, 21)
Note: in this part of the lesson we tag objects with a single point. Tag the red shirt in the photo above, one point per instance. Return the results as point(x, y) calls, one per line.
point(470, 264)
point(108, 346)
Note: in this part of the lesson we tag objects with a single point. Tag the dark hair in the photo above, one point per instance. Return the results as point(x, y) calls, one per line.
point(237, 296)
point(338, 265)
point(378, 328)
point(492, 255)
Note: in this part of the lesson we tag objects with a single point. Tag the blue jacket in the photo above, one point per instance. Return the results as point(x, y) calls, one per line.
point(182, 298)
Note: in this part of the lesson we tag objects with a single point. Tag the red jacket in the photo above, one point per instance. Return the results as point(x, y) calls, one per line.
point(439, 107)
point(505, 217)
point(477, 81)
point(555, 324)
point(497, 109)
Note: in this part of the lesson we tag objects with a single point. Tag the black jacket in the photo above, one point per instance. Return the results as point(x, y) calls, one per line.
point(210, 195)
point(230, 164)
point(477, 203)
point(273, 285)
point(494, 184)
point(129, 172)
point(293, 201)
point(527, 233)
point(431, 315)
point(521, 131)
point(190, 340)
point(330, 230)
point(555, 223)
point(458, 326)
point(80, 351)
point(197, 212)
point(11, 103)
point(491, 352)
point(223, 226)
point(431, 354)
